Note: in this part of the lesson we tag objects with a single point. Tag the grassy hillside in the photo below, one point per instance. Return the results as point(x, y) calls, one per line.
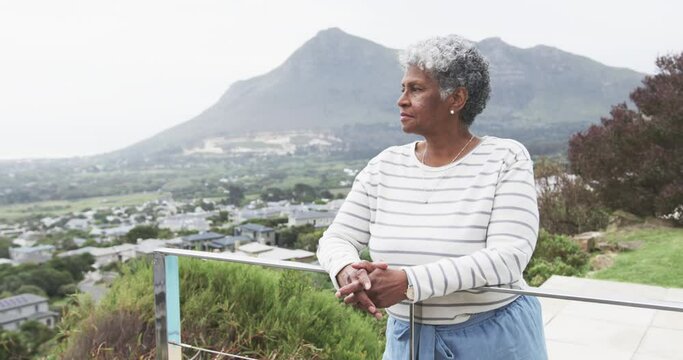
point(657, 262)
point(63, 207)
point(228, 307)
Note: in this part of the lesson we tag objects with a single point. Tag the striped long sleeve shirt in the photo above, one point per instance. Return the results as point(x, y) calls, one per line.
point(453, 229)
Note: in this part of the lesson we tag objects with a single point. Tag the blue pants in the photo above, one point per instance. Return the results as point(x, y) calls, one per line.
point(513, 332)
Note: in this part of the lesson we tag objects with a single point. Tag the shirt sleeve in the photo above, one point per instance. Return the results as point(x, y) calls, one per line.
point(349, 233)
point(510, 241)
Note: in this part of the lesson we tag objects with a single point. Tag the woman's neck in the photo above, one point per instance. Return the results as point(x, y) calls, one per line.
point(446, 147)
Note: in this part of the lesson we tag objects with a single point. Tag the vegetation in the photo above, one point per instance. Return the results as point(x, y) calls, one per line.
point(235, 308)
point(633, 159)
point(566, 204)
point(52, 277)
point(26, 343)
point(656, 262)
point(5, 244)
point(142, 232)
point(59, 187)
point(18, 211)
point(555, 255)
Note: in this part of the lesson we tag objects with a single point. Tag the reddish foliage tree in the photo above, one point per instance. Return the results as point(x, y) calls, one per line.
point(634, 159)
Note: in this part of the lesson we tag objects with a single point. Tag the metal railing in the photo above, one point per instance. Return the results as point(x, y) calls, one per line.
point(167, 297)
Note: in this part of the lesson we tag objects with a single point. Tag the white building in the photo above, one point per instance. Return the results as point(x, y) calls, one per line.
point(18, 309)
point(77, 224)
point(105, 255)
point(108, 255)
point(192, 221)
point(315, 218)
point(34, 254)
point(147, 247)
point(258, 250)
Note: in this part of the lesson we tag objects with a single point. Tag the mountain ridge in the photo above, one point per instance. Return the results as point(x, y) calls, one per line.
point(336, 79)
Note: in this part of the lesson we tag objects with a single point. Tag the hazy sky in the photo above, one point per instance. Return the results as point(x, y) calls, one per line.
point(88, 76)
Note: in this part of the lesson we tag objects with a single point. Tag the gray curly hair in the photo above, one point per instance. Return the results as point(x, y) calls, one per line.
point(454, 62)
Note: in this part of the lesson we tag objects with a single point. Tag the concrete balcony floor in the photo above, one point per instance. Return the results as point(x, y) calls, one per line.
point(587, 331)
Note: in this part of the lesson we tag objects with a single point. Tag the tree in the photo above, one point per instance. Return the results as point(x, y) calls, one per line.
point(5, 244)
point(142, 232)
point(76, 265)
point(566, 205)
point(633, 158)
point(235, 195)
point(30, 289)
point(326, 194)
point(303, 193)
point(309, 241)
point(49, 279)
point(13, 346)
point(273, 194)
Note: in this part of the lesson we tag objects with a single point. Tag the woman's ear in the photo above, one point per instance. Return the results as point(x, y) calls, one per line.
point(458, 99)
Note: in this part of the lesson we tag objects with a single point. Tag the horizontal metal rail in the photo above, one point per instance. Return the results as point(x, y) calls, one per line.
point(168, 309)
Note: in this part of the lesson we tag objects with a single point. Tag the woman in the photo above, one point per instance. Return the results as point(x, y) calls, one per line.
point(442, 217)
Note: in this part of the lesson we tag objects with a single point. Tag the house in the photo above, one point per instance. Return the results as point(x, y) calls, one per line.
point(49, 221)
point(315, 218)
point(192, 222)
point(77, 224)
point(255, 249)
point(227, 243)
point(262, 213)
point(256, 232)
point(108, 255)
point(4, 261)
point(110, 233)
point(28, 238)
point(10, 231)
point(105, 255)
point(200, 241)
point(147, 247)
point(18, 309)
point(34, 254)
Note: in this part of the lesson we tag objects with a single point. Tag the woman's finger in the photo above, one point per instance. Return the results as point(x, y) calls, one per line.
point(370, 266)
point(349, 288)
point(361, 301)
point(362, 276)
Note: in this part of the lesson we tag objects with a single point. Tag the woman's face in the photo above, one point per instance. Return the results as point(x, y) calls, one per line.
point(422, 109)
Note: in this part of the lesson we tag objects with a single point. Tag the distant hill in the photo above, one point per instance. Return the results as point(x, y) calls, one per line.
point(337, 79)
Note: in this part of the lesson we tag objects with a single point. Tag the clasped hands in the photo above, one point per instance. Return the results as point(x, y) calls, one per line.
point(371, 286)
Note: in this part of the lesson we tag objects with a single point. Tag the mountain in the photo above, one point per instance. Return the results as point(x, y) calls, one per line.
point(337, 79)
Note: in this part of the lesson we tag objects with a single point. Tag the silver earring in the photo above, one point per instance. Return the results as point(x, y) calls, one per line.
point(452, 112)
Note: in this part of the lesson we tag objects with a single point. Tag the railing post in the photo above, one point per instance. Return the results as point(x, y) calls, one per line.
point(411, 351)
point(167, 307)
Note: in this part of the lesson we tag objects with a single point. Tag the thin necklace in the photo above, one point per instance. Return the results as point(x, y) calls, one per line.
point(429, 192)
point(424, 153)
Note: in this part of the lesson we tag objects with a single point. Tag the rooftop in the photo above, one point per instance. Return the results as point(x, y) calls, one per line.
point(255, 227)
point(33, 249)
point(19, 301)
point(203, 236)
point(254, 248)
point(304, 215)
point(227, 241)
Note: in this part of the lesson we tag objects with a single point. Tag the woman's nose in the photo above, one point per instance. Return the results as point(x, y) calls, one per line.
point(402, 100)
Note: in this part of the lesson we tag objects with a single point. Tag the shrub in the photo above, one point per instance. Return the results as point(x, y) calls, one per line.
point(566, 204)
point(555, 255)
point(30, 289)
point(229, 307)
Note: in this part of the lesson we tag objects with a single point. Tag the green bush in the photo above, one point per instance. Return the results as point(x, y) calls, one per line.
point(555, 255)
point(235, 308)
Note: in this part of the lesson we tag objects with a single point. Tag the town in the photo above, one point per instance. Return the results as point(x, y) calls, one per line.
point(111, 236)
